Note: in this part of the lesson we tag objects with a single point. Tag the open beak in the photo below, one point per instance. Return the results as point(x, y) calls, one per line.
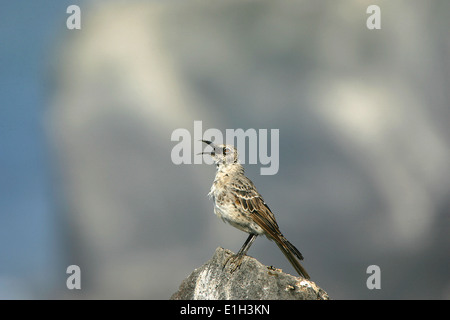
point(212, 153)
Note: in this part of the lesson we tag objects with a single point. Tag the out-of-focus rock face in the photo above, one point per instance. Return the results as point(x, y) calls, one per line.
point(363, 139)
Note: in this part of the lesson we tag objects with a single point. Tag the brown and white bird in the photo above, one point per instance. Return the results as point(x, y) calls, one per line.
point(237, 202)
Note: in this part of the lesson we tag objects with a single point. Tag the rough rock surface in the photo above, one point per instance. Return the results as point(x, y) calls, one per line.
point(253, 281)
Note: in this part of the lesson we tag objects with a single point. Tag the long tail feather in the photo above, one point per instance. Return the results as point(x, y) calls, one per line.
point(291, 253)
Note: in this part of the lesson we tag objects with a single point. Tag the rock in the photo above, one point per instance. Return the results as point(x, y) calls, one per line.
point(252, 281)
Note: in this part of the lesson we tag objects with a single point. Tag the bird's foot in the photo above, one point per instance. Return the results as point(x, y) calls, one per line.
point(235, 261)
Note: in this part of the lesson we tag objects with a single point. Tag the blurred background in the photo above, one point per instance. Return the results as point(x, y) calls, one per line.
point(86, 119)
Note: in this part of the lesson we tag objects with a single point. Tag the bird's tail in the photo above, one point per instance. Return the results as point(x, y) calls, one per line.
point(293, 255)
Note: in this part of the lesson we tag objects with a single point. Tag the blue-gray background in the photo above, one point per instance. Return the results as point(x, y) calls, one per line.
point(30, 256)
point(86, 118)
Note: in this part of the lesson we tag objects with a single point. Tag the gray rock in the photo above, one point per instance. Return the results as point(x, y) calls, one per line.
point(252, 281)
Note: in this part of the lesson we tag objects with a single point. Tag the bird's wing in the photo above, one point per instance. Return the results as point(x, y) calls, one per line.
point(248, 198)
point(250, 201)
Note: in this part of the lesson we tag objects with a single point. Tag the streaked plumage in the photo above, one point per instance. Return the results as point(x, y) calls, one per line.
point(237, 202)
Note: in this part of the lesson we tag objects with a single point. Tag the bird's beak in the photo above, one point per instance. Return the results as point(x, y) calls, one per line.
point(208, 142)
point(211, 144)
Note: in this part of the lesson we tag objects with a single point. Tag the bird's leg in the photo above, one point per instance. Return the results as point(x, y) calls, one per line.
point(236, 259)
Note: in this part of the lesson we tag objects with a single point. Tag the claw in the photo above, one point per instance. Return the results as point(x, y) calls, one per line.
point(236, 261)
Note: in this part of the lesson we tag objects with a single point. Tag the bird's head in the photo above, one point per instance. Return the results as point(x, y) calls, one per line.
point(222, 154)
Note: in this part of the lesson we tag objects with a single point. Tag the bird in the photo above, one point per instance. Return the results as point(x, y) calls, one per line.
point(237, 202)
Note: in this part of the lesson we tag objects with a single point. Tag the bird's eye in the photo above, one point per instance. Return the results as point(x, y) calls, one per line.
point(226, 150)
